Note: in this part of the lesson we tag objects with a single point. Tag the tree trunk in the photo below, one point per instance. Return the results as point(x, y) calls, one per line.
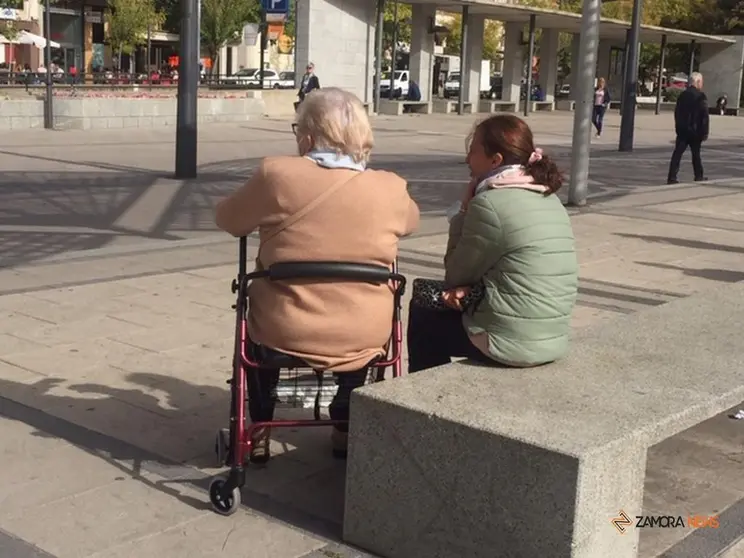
point(214, 57)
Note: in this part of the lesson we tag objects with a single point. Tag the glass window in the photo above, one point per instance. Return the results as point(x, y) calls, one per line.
point(66, 29)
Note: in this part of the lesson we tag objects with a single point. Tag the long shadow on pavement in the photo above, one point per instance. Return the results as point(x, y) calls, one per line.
point(267, 492)
point(47, 213)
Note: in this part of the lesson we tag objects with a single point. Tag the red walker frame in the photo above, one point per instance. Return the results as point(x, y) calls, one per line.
point(224, 492)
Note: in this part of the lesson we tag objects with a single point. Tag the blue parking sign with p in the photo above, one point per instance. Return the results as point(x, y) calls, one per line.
point(275, 6)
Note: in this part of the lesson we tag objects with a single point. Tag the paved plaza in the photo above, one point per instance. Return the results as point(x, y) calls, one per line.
point(115, 331)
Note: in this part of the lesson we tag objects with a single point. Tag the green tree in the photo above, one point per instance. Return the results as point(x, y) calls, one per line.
point(289, 25)
point(128, 22)
point(7, 27)
point(388, 26)
point(222, 21)
point(171, 10)
point(492, 33)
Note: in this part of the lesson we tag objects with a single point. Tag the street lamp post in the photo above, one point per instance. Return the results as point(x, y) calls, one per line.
point(394, 53)
point(531, 55)
point(627, 122)
point(464, 66)
point(188, 85)
point(378, 54)
point(49, 99)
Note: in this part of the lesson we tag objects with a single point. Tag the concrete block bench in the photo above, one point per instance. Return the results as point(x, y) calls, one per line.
point(398, 107)
point(445, 106)
point(474, 462)
point(565, 104)
point(542, 106)
point(489, 106)
point(664, 106)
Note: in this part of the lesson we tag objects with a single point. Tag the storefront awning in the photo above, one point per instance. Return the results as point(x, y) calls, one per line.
point(27, 38)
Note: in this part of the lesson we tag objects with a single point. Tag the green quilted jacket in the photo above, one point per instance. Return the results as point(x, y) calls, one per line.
point(520, 243)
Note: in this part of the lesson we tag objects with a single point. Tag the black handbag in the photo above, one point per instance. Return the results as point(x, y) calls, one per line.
point(427, 293)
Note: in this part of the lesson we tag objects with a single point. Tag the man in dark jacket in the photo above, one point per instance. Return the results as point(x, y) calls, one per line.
point(691, 123)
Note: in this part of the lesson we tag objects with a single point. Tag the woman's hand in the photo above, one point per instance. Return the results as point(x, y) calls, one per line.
point(452, 298)
point(468, 194)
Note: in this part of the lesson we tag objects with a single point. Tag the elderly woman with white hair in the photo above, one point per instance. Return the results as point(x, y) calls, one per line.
point(339, 327)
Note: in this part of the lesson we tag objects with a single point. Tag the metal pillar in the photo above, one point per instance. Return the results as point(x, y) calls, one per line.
point(294, 47)
point(49, 99)
point(394, 53)
point(262, 29)
point(188, 84)
point(464, 62)
point(625, 69)
point(528, 96)
point(660, 76)
point(147, 64)
point(627, 122)
point(378, 54)
point(692, 63)
point(587, 65)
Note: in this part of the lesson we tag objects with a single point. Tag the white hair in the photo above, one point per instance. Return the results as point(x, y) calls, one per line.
point(696, 78)
point(336, 120)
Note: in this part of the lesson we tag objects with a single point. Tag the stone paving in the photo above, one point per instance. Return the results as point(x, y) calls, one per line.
point(115, 335)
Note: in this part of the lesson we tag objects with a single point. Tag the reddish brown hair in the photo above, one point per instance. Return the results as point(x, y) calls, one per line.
point(511, 137)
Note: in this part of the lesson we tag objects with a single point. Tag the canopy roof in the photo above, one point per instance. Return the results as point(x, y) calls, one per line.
point(568, 22)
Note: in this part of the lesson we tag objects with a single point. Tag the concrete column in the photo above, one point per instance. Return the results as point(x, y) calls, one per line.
point(513, 62)
point(721, 66)
point(549, 62)
point(221, 68)
point(338, 37)
point(422, 47)
point(603, 59)
point(574, 65)
point(474, 57)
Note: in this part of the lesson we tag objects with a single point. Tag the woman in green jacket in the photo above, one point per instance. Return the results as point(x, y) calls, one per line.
point(512, 238)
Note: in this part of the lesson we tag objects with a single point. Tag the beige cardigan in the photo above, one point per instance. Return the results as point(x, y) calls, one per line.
point(333, 326)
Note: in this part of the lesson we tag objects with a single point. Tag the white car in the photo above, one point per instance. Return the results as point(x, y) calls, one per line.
point(400, 84)
point(251, 77)
point(452, 86)
point(286, 81)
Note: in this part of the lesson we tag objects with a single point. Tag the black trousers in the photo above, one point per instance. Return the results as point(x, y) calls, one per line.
point(262, 395)
point(598, 117)
point(435, 336)
point(679, 148)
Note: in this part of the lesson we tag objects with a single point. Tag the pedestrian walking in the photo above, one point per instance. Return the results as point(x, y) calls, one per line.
point(601, 102)
point(691, 124)
point(309, 83)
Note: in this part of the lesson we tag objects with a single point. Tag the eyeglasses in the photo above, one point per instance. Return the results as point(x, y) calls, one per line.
point(294, 128)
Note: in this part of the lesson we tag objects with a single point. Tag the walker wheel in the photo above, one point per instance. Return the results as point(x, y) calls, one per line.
point(223, 506)
point(222, 446)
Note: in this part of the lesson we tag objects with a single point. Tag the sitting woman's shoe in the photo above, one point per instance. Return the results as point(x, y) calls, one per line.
point(339, 443)
point(260, 442)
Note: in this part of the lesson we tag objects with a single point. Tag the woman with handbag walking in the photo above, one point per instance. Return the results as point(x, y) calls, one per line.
point(601, 102)
point(511, 274)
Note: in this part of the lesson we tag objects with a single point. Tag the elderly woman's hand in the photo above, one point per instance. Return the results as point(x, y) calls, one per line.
point(452, 297)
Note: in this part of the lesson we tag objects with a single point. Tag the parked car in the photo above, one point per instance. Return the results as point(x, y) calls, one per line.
point(564, 91)
point(286, 81)
point(452, 85)
point(490, 87)
point(251, 77)
point(677, 81)
point(400, 84)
